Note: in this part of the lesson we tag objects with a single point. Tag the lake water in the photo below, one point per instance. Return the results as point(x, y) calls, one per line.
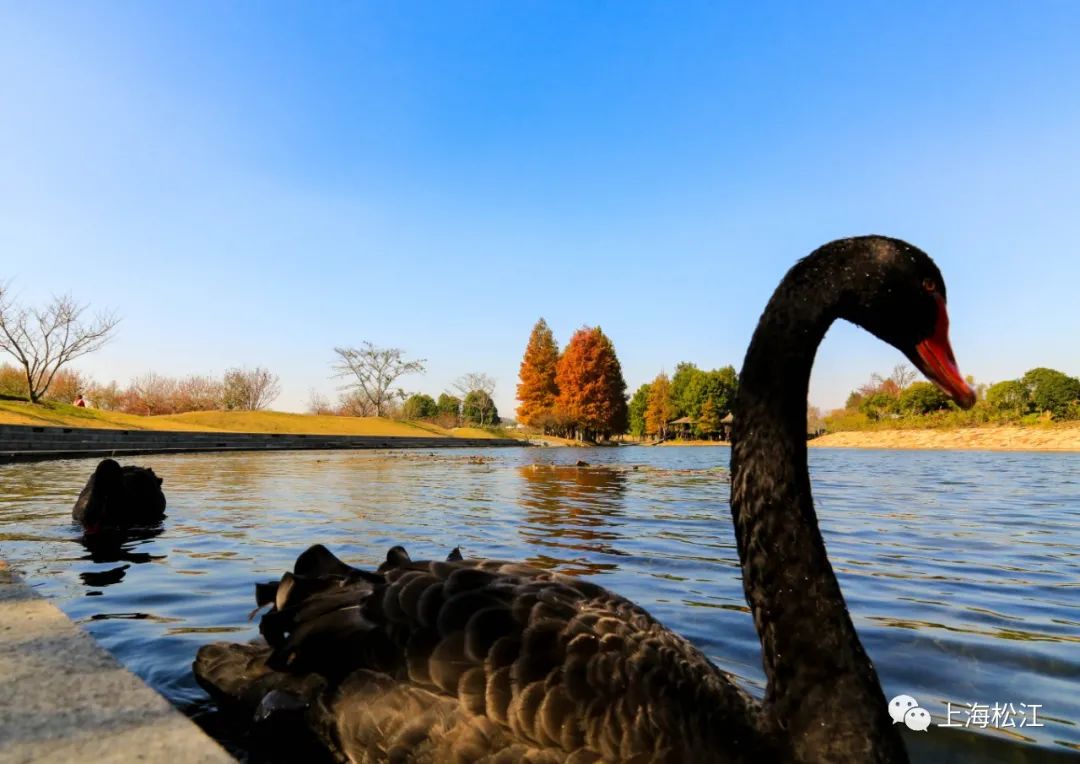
point(961, 570)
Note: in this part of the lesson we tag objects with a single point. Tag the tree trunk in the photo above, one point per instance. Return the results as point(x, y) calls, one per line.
point(31, 395)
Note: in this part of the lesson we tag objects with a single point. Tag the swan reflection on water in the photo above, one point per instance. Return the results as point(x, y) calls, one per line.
point(103, 549)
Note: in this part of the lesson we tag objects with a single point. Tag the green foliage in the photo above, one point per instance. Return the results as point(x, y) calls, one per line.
point(478, 408)
point(879, 406)
point(922, 398)
point(1040, 396)
point(691, 387)
point(449, 405)
point(706, 396)
point(841, 420)
point(1010, 398)
point(420, 406)
point(636, 413)
point(685, 376)
point(1052, 391)
point(718, 387)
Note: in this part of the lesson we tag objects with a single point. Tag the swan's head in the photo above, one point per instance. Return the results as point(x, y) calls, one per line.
point(899, 296)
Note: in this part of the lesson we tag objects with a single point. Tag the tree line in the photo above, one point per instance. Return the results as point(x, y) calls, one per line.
point(473, 405)
point(1040, 394)
point(370, 388)
point(43, 341)
point(705, 397)
point(579, 393)
point(151, 394)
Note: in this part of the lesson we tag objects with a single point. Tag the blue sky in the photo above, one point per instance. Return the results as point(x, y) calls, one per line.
point(254, 183)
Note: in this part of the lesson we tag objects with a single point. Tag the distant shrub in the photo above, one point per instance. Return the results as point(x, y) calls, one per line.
point(879, 405)
point(922, 398)
point(419, 406)
point(1052, 391)
point(107, 397)
point(449, 407)
point(843, 420)
point(248, 389)
point(319, 404)
point(67, 385)
point(478, 408)
point(12, 381)
point(1010, 398)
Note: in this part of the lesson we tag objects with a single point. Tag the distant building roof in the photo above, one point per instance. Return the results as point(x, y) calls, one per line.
point(684, 420)
point(728, 419)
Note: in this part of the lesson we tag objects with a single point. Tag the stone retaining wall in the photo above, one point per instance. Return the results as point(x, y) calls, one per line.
point(64, 698)
point(29, 443)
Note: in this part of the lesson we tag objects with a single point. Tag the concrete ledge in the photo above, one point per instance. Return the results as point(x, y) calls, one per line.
point(20, 443)
point(64, 698)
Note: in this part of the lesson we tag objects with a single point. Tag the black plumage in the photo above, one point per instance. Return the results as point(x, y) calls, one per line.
point(116, 498)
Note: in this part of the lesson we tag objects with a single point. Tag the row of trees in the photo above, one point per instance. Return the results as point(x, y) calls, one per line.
point(154, 394)
point(579, 393)
point(43, 341)
point(477, 408)
point(1041, 392)
point(704, 396)
point(371, 374)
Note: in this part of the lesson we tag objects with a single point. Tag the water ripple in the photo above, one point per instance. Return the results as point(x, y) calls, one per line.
point(960, 569)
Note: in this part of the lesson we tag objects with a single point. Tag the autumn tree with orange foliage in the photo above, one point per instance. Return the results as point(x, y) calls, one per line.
point(536, 388)
point(592, 392)
point(661, 408)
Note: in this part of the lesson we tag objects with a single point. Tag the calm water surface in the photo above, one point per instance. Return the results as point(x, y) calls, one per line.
point(961, 570)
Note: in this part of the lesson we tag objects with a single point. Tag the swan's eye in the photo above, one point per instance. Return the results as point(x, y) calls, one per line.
point(929, 285)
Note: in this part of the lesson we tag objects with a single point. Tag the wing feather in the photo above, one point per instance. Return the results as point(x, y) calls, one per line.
point(462, 657)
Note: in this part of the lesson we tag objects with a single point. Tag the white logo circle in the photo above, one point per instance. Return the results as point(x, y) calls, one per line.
point(904, 708)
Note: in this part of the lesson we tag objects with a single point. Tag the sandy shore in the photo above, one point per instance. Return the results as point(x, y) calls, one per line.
point(1059, 437)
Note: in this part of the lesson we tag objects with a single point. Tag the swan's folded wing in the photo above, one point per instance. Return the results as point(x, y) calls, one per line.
point(378, 719)
point(554, 662)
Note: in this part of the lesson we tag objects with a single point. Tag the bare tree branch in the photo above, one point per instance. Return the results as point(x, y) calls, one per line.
point(903, 375)
point(474, 380)
point(43, 340)
point(374, 371)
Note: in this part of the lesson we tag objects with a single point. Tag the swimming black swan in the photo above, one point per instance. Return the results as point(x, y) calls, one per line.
point(480, 660)
point(116, 498)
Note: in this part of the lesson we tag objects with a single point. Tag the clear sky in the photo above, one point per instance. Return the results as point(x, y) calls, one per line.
point(252, 183)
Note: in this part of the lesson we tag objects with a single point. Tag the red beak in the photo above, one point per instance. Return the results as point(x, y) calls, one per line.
point(936, 361)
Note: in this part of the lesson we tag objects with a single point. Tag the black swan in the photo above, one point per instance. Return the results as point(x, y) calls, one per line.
point(481, 660)
point(116, 498)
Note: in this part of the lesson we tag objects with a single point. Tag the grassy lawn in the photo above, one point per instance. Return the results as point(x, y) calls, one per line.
point(278, 421)
point(65, 415)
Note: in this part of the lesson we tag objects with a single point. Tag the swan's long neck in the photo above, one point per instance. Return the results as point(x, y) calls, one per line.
point(822, 690)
